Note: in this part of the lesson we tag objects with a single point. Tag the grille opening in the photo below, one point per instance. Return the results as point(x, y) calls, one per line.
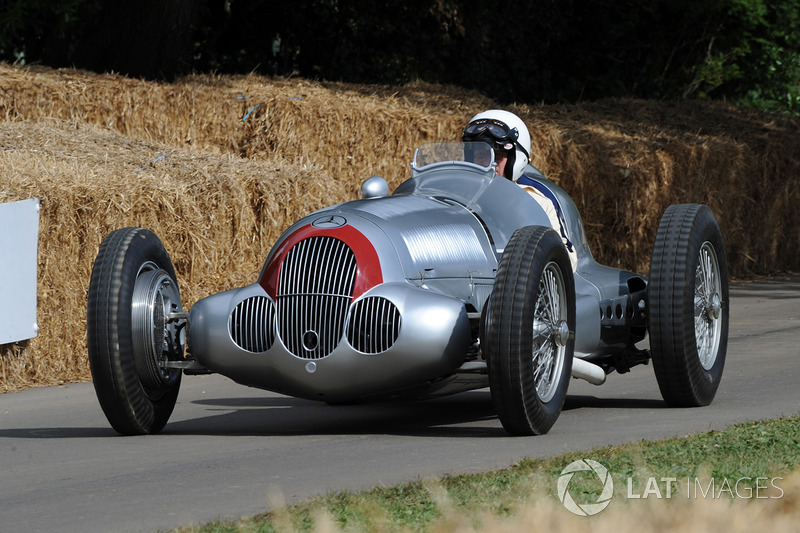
point(315, 288)
point(252, 324)
point(374, 325)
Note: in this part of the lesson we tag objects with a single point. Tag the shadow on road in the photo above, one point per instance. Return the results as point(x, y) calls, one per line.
point(466, 415)
point(593, 402)
point(456, 416)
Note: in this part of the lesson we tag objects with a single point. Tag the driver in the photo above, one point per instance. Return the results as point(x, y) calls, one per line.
point(509, 138)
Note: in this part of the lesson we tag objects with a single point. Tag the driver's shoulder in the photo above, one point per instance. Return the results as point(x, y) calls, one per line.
point(528, 181)
point(531, 184)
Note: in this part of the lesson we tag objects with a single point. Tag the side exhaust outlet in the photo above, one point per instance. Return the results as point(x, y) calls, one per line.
point(588, 371)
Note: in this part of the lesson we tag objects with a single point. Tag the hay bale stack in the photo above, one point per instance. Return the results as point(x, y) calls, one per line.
point(625, 161)
point(350, 131)
point(218, 216)
point(218, 166)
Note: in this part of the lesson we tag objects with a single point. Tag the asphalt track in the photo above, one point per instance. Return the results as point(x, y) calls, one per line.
point(230, 451)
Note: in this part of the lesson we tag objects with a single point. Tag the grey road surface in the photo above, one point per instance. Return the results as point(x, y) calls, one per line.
point(230, 451)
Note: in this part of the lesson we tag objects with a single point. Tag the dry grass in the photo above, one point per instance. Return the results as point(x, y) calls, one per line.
point(774, 511)
point(681, 514)
point(656, 516)
point(245, 156)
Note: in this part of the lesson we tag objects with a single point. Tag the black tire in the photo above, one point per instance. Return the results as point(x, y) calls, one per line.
point(688, 306)
point(533, 264)
point(132, 288)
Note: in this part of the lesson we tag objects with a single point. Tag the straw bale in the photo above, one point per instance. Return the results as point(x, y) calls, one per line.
point(218, 166)
point(217, 215)
point(625, 161)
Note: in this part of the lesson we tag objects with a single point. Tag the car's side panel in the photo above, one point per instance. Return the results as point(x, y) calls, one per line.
point(572, 217)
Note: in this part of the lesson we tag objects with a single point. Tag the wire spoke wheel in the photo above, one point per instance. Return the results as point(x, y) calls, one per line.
point(549, 323)
point(707, 306)
point(528, 331)
point(688, 305)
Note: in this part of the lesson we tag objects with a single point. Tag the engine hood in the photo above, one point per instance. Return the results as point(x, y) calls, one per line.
point(394, 238)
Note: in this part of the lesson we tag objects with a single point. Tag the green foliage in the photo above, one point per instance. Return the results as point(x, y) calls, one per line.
point(36, 30)
point(746, 51)
point(755, 59)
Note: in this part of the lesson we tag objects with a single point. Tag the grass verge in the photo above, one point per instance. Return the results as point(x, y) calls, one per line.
point(730, 480)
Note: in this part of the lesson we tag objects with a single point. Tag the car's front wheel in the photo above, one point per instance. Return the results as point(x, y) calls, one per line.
point(132, 292)
point(688, 305)
point(528, 331)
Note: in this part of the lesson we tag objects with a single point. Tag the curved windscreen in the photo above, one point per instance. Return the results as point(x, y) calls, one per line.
point(478, 153)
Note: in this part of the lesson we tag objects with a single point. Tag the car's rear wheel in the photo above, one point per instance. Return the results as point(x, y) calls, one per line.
point(528, 331)
point(132, 292)
point(688, 305)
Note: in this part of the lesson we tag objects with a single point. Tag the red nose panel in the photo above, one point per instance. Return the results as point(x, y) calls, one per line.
point(368, 265)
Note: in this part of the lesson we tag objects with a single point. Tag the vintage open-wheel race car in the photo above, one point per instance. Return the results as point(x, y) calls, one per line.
point(456, 281)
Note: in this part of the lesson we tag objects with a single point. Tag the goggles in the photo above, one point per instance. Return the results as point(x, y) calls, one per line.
point(494, 130)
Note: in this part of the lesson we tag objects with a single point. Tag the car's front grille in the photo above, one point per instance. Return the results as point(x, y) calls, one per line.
point(314, 291)
point(374, 325)
point(252, 324)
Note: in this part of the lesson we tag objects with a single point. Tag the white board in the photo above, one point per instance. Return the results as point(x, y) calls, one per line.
point(19, 239)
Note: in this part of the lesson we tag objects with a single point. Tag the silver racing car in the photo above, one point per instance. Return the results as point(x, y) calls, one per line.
point(455, 281)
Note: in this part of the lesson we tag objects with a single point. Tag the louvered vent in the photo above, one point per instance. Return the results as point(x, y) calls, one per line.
point(374, 325)
point(314, 290)
point(252, 324)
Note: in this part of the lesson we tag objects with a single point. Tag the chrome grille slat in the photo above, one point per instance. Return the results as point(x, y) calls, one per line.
point(374, 325)
point(252, 324)
point(384, 333)
point(314, 291)
point(371, 314)
point(344, 286)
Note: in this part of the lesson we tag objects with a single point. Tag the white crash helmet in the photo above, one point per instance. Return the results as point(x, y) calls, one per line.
point(502, 130)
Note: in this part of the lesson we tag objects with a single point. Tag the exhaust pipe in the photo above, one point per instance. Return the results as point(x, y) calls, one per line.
point(588, 371)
